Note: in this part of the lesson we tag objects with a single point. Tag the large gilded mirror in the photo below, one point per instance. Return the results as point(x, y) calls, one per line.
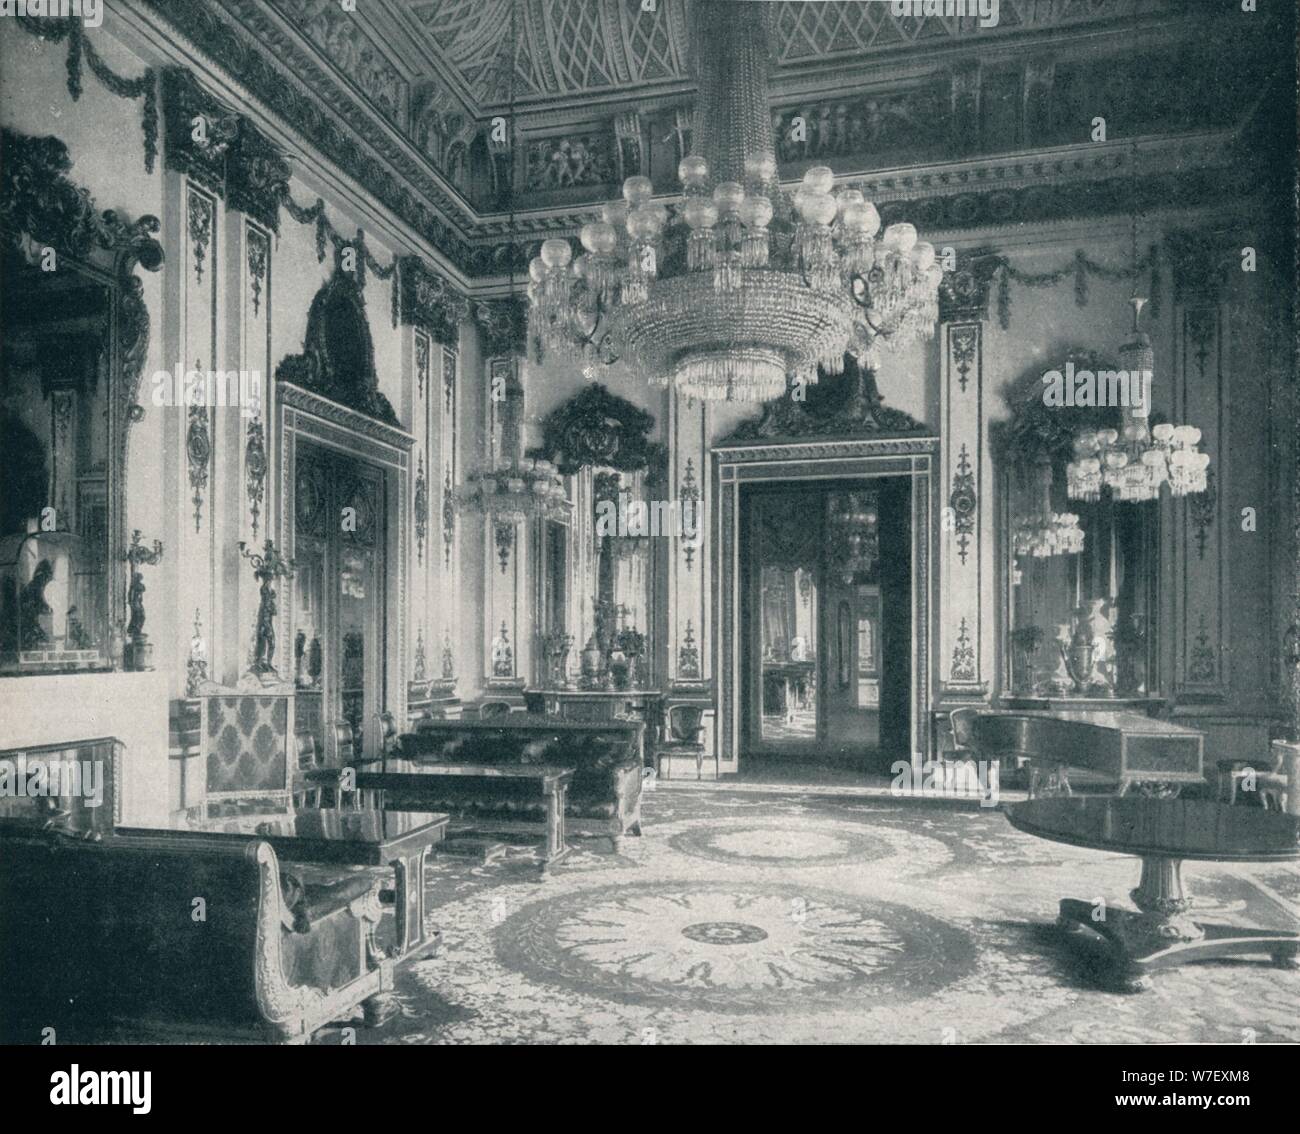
point(1080, 598)
point(73, 336)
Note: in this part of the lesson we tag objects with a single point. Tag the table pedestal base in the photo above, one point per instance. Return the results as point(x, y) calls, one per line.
point(1163, 933)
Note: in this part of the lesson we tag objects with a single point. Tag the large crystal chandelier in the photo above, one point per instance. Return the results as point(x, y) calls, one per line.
point(1135, 460)
point(739, 287)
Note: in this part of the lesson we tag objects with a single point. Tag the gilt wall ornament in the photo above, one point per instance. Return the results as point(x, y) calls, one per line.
point(503, 325)
point(198, 129)
point(81, 47)
point(963, 655)
point(257, 260)
point(419, 669)
point(421, 363)
point(964, 503)
point(200, 213)
point(688, 655)
point(505, 540)
point(421, 509)
point(964, 342)
point(338, 359)
point(255, 470)
point(1201, 510)
point(428, 301)
point(844, 405)
point(688, 496)
point(198, 455)
point(222, 150)
point(599, 429)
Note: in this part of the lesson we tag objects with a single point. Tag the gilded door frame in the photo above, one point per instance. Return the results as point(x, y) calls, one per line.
point(846, 460)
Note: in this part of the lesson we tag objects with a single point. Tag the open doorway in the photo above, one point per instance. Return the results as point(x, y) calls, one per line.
point(826, 622)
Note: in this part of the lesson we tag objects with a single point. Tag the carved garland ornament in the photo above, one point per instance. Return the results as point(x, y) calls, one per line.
point(255, 470)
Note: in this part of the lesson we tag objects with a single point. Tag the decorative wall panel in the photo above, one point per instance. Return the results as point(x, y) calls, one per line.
point(966, 612)
point(1200, 551)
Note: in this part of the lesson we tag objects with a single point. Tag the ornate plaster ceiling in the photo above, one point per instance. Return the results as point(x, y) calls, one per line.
point(605, 47)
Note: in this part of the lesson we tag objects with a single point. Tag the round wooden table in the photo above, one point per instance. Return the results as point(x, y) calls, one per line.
point(1163, 833)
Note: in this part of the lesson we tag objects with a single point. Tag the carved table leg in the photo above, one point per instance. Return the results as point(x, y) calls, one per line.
point(1163, 933)
point(409, 873)
point(556, 848)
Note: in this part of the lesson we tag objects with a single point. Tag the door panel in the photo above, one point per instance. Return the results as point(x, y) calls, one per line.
point(826, 619)
point(339, 518)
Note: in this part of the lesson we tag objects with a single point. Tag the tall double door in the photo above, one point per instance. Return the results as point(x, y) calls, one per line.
point(826, 621)
point(339, 511)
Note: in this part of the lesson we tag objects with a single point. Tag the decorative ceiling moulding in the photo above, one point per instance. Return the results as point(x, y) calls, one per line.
point(252, 42)
point(594, 48)
point(247, 41)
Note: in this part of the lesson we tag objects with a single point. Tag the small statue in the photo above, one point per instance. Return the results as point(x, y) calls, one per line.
point(196, 668)
point(78, 637)
point(503, 658)
point(267, 567)
point(139, 651)
point(33, 608)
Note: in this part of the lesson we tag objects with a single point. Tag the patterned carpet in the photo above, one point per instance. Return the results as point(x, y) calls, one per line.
point(751, 917)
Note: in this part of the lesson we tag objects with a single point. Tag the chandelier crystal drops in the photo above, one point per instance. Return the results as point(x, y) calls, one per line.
point(739, 287)
point(1046, 533)
point(1135, 460)
point(521, 489)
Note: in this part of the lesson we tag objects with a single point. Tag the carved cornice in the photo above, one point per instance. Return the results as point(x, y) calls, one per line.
point(260, 51)
point(339, 415)
point(252, 42)
point(827, 450)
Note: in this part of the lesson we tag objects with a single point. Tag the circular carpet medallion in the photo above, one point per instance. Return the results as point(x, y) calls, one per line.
point(794, 845)
point(741, 948)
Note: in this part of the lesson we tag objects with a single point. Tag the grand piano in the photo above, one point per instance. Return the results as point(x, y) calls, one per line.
point(1115, 749)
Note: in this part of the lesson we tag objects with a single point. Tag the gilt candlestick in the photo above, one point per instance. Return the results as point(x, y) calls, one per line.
point(267, 567)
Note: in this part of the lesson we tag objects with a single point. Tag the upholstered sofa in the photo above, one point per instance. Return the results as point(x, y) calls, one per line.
point(202, 938)
point(604, 797)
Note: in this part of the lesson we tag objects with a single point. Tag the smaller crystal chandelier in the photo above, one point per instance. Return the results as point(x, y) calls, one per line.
point(1135, 460)
point(855, 524)
point(523, 489)
point(1046, 533)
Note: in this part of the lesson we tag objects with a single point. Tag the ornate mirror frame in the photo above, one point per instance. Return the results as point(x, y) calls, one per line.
point(42, 208)
point(1035, 431)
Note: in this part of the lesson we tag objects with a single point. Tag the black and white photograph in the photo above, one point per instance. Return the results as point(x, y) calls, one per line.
point(649, 523)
